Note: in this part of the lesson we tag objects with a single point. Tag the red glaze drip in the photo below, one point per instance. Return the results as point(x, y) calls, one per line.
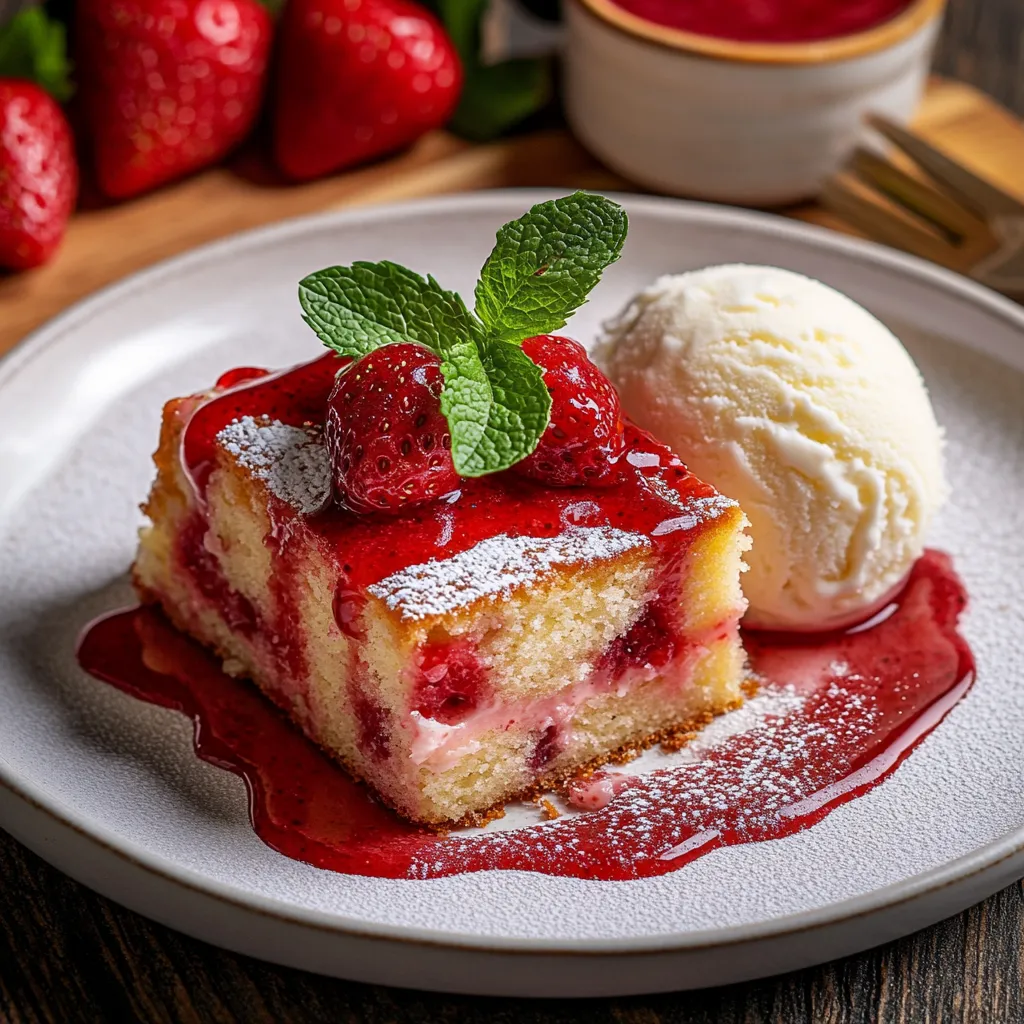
point(869, 696)
point(294, 396)
point(240, 375)
point(373, 726)
point(204, 567)
point(289, 634)
point(348, 606)
point(767, 21)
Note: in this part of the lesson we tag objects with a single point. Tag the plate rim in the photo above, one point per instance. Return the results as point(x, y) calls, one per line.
point(887, 898)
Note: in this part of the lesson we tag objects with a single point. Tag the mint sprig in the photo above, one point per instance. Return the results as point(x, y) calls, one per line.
point(496, 405)
point(540, 271)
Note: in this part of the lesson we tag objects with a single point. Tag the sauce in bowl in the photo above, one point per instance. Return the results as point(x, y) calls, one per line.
point(767, 21)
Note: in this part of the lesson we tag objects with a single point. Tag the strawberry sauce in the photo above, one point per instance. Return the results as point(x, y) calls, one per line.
point(295, 396)
point(767, 21)
point(856, 703)
point(654, 494)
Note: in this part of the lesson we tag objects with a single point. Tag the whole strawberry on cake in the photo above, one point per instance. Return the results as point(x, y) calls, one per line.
point(440, 548)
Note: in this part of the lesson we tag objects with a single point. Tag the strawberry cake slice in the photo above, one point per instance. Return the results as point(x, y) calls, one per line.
point(462, 603)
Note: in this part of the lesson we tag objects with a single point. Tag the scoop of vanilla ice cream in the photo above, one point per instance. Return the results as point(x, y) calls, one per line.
point(792, 399)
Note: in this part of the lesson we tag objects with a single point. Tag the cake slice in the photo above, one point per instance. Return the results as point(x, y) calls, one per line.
point(473, 650)
point(438, 547)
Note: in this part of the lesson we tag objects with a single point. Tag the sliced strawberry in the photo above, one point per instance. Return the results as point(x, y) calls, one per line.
point(358, 79)
point(451, 682)
point(584, 440)
point(390, 446)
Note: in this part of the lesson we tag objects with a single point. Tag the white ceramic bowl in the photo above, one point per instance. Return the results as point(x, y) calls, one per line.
point(750, 123)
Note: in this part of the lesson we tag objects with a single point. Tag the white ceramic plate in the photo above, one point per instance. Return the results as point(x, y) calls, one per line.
point(108, 789)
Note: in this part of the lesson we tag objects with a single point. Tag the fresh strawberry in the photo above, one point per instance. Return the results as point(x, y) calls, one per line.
point(584, 439)
point(38, 175)
point(38, 172)
point(390, 446)
point(357, 79)
point(168, 86)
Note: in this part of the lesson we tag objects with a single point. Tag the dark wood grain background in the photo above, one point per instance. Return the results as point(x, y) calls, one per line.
point(68, 955)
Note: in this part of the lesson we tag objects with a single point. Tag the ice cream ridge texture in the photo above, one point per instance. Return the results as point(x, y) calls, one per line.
point(798, 403)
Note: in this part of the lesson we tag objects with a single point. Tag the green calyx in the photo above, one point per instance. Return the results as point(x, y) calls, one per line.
point(33, 47)
point(539, 273)
point(495, 97)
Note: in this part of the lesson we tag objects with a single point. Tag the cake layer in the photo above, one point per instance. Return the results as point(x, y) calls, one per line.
point(464, 654)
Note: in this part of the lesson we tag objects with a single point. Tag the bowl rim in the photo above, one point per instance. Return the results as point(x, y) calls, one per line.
point(907, 23)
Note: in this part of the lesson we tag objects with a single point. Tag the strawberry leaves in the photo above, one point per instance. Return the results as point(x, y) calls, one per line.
point(32, 47)
point(495, 96)
point(541, 269)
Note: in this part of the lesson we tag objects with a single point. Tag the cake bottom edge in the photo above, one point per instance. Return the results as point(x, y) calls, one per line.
point(434, 800)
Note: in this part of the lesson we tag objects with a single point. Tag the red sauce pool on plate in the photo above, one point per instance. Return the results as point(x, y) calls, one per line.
point(852, 706)
point(767, 21)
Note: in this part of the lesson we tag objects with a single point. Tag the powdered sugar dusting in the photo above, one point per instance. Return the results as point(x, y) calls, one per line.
point(597, 791)
point(770, 705)
point(723, 783)
point(701, 509)
point(495, 567)
point(291, 461)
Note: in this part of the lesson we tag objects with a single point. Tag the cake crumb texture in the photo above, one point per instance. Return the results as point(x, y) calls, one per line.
point(531, 618)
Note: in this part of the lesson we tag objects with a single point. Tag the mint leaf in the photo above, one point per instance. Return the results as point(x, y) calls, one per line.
point(496, 404)
point(494, 396)
point(356, 309)
point(32, 46)
point(543, 265)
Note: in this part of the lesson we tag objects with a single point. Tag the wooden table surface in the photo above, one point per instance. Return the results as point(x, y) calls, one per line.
point(67, 954)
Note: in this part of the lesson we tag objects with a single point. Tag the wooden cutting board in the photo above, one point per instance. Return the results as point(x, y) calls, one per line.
point(106, 243)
